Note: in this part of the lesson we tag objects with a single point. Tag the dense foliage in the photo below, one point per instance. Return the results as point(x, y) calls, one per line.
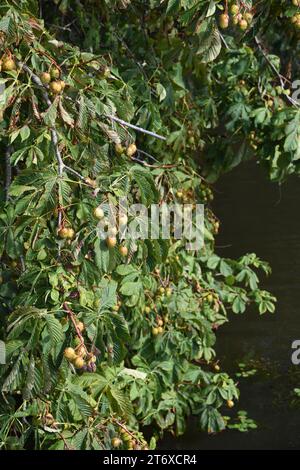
point(105, 337)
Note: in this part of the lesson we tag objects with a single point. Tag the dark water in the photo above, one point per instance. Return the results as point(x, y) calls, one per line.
point(259, 216)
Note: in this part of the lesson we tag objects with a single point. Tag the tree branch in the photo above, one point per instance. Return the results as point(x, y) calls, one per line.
point(272, 66)
point(54, 134)
point(75, 173)
point(136, 128)
point(148, 165)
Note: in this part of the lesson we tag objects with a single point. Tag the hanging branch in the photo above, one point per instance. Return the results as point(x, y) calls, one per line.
point(282, 79)
point(54, 136)
point(8, 152)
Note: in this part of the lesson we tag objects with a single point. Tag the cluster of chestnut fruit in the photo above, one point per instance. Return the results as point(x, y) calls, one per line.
point(185, 195)
point(130, 150)
point(205, 193)
point(158, 328)
point(295, 19)
point(52, 79)
point(81, 359)
point(66, 233)
point(238, 14)
point(111, 239)
point(128, 440)
point(79, 355)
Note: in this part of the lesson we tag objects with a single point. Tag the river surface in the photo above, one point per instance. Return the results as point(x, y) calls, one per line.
point(261, 217)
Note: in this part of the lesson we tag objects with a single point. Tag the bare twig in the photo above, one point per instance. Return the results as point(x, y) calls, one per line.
point(75, 173)
point(123, 427)
point(167, 165)
point(136, 128)
point(148, 155)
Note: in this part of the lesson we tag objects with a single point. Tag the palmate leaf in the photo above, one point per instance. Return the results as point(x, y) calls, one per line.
point(18, 327)
point(211, 420)
point(157, 251)
point(95, 381)
point(83, 114)
point(79, 438)
point(51, 114)
point(47, 376)
point(118, 350)
point(120, 326)
point(30, 380)
point(118, 401)
point(66, 117)
point(8, 26)
point(48, 197)
point(84, 402)
point(13, 375)
point(173, 6)
point(65, 191)
point(214, 46)
point(108, 297)
point(16, 190)
point(145, 182)
point(54, 329)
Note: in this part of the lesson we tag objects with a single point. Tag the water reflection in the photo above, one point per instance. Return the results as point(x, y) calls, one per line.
point(259, 216)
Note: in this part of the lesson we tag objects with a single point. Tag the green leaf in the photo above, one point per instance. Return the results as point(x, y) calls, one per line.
point(51, 114)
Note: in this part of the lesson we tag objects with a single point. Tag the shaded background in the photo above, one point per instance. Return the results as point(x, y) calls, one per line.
point(262, 217)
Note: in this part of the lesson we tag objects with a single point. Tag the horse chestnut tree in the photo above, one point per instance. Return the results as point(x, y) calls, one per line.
point(102, 336)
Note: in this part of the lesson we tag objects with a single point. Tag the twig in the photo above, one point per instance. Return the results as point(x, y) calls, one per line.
point(135, 159)
point(148, 155)
point(223, 39)
point(75, 173)
point(78, 332)
point(8, 152)
point(136, 128)
point(123, 427)
point(280, 77)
